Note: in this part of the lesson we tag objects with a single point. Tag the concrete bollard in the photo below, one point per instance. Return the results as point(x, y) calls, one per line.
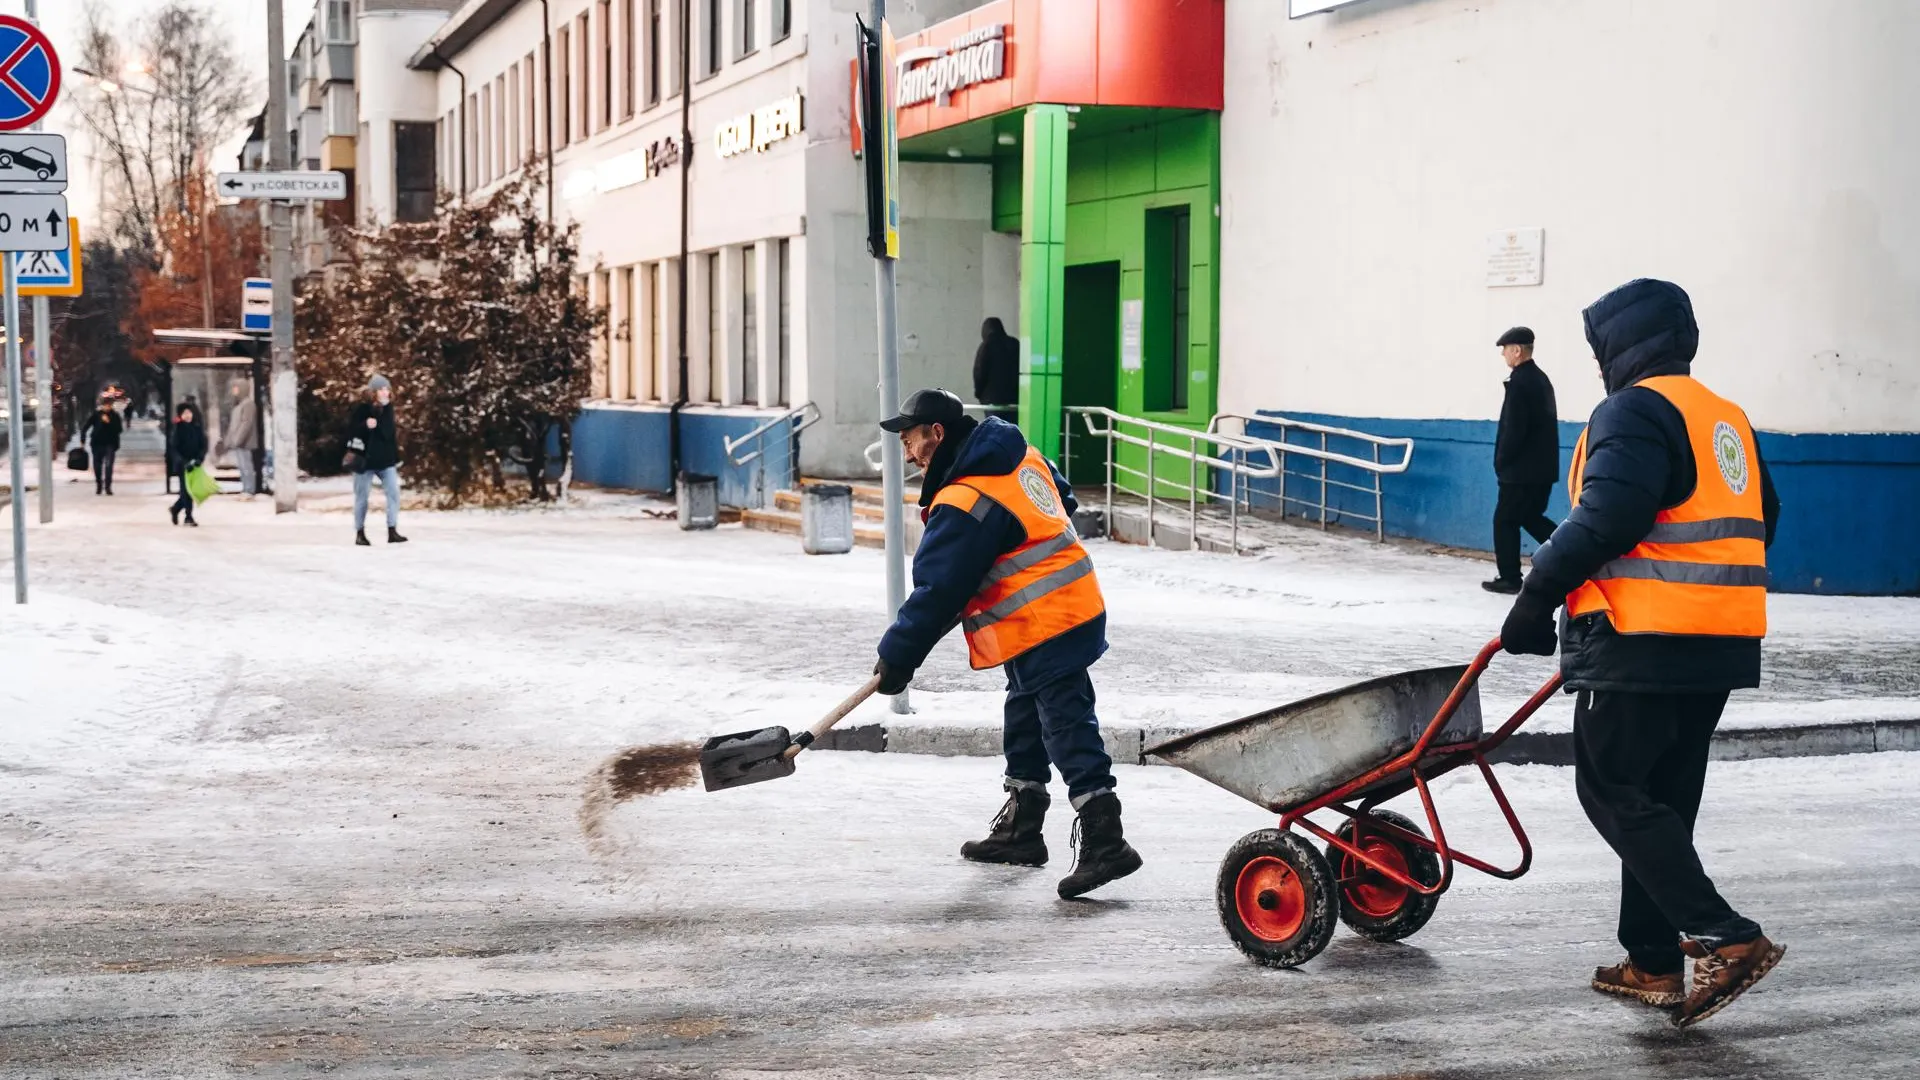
point(697, 499)
point(826, 519)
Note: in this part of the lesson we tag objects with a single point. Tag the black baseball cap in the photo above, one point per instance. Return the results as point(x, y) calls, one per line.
point(1519, 335)
point(935, 406)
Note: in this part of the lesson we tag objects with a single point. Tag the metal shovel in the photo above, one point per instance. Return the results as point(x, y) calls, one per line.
point(748, 757)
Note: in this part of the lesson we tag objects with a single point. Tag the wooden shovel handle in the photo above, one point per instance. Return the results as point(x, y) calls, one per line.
point(838, 714)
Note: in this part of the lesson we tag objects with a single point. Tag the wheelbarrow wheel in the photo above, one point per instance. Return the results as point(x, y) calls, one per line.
point(1372, 904)
point(1276, 896)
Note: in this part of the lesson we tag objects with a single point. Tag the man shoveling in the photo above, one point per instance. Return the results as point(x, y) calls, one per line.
point(999, 557)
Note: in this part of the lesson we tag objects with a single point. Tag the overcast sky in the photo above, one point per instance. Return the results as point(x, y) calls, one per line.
point(62, 19)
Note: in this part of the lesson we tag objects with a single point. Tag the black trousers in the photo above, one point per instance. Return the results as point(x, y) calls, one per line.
point(103, 468)
point(185, 501)
point(1640, 764)
point(1521, 506)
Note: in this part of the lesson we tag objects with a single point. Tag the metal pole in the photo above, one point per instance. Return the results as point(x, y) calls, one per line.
point(16, 433)
point(286, 388)
point(42, 367)
point(1109, 521)
point(1233, 502)
point(1151, 471)
point(1379, 509)
point(1193, 493)
point(892, 467)
point(1323, 480)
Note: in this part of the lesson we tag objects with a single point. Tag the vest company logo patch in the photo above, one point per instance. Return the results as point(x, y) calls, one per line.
point(1039, 487)
point(1731, 453)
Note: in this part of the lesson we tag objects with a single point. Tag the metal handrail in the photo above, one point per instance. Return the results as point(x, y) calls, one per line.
point(1375, 467)
point(1229, 454)
point(758, 435)
point(872, 452)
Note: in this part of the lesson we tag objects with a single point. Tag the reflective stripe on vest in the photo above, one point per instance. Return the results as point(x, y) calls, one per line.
point(1040, 589)
point(1702, 569)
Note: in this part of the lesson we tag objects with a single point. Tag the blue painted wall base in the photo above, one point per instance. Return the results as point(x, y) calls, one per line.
point(1850, 503)
point(631, 447)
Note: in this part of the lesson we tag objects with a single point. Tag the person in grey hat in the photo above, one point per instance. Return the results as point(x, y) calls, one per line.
point(1526, 459)
point(373, 449)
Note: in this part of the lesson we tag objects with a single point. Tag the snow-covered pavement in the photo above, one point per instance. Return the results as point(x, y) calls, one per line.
point(270, 803)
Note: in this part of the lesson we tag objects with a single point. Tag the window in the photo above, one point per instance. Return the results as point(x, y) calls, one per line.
point(750, 324)
point(782, 19)
point(562, 132)
point(627, 31)
point(511, 103)
point(716, 351)
point(747, 44)
point(583, 111)
point(340, 22)
point(653, 52)
point(413, 171)
point(502, 106)
point(606, 64)
point(1168, 313)
point(657, 331)
point(486, 135)
point(470, 159)
point(713, 36)
point(531, 117)
point(786, 322)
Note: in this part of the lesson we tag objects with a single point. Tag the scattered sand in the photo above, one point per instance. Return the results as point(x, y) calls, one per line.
point(630, 774)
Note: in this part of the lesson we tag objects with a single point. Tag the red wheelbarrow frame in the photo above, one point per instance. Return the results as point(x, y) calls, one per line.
point(1446, 758)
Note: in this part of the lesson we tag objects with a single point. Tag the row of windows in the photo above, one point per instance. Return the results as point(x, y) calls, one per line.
point(637, 358)
point(617, 57)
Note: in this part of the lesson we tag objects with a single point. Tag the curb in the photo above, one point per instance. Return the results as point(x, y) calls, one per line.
point(1127, 745)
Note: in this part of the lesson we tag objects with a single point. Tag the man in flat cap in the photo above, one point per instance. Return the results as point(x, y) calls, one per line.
point(1526, 459)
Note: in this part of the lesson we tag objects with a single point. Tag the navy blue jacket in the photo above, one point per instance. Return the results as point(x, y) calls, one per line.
point(1639, 462)
point(957, 550)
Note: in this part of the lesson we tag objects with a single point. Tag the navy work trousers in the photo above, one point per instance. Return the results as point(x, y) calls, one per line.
point(1053, 724)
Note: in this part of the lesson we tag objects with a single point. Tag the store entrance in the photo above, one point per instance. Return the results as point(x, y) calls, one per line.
point(1090, 361)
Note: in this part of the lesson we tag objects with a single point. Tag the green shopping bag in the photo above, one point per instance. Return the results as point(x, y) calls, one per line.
point(201, 484)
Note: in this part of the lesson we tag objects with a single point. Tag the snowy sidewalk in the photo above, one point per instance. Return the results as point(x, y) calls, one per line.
point(600, 626)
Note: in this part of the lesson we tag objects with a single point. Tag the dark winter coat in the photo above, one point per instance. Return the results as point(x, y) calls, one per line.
point(187, 444)
point(1639, 462)
point(379, 445)
point(102, 431)
point(996, 366)
point(1526, 447)
point(957, 549)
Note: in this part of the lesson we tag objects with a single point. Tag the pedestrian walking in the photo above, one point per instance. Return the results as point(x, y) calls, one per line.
point(996, 370)
point(101, 434)
point(999, 558)
point(1526, 459)
point(242, 431)
point(186, 449)
point(1662, 567)
point(373, 450)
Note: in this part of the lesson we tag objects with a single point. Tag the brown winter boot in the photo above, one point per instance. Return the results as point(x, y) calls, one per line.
point(1627, 980)
point(1723, 974)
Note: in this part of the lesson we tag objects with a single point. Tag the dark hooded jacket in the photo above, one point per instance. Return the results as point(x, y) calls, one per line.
point(1639, 462)
point(957, 550)
point(996, 366)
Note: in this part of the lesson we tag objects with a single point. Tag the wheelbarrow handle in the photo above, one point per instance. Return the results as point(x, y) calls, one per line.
point(825, 724)
point(1467, 681)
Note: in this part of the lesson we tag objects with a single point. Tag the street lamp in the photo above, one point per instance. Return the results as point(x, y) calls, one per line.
point(110, 86)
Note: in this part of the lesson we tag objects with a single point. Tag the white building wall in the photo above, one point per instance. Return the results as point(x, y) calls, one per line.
point(1748, 149)
point(389, 91)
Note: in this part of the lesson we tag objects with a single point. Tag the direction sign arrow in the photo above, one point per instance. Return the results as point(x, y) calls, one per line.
point(29, 74)
point(33, 222)
point(283, 185)
point(36, 162)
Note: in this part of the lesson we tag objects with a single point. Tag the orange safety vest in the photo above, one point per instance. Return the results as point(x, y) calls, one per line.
point(1702, 569)
point(1039, 590)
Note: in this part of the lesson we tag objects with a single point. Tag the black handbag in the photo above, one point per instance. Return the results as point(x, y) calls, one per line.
point(77, 459)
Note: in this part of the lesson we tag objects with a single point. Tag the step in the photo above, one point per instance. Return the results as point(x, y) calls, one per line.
point(871, 493)
point(788, 521)
point(790, 500)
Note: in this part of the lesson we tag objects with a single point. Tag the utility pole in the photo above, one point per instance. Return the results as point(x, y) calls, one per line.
point(286, 390)
point(42, 367)
point(881, 149)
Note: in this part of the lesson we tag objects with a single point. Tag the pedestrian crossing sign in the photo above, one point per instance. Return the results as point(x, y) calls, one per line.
point(51, 273)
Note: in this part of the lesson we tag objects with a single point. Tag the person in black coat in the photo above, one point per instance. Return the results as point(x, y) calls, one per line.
point(996, 369)
point(1648, 701)
point(102, 435)
point(1526, 459)
point(373, 450)
point(187, 447)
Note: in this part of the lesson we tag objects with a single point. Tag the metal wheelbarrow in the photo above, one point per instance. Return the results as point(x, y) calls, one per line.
point(1348, 751)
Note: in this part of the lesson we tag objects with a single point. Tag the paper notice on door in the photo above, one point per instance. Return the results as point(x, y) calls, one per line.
point(1130, 334)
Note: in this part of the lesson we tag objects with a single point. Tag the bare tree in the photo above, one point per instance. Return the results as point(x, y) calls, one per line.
point(170, 88)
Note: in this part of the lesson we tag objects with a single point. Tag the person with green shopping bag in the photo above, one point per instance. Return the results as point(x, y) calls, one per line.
point(187, 448)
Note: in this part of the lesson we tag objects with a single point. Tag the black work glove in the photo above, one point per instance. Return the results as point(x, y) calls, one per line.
point(1529, 629)
point(893, 680)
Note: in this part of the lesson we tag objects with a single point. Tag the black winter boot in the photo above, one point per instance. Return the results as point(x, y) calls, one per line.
point(360, 538)
point(1104, 853)
point(1015, 838)
point(394, 537)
